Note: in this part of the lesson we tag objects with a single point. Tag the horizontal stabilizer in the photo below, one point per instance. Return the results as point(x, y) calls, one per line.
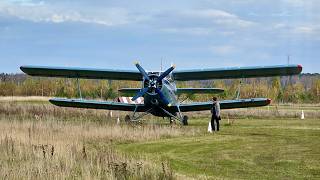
point(82, 73)
point(241, 72)
point(130, 91)
point(199, 90)
point(226, 104)
point(128, 100)
point(92, 104)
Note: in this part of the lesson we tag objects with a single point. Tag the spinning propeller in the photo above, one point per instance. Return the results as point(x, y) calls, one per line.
point(152, 83)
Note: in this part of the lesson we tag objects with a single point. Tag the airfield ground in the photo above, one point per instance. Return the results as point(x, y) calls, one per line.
point(39, 140)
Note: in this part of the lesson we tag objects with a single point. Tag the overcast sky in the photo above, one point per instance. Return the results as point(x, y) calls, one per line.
point(190, 34)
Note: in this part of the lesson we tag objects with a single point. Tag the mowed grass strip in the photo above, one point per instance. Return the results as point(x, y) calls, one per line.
point(248, 149)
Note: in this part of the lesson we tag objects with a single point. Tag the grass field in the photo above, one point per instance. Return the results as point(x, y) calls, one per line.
point(249, 149)
point(38, 140)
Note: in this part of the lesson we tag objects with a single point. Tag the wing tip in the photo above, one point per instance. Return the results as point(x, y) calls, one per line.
point(23, 68)
point(300, 67)
point(269, 101)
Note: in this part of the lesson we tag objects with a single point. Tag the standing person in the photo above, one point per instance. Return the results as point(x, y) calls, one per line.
point(215, 111)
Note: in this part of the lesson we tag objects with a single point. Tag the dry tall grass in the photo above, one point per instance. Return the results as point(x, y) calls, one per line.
point(42, 141)
point(39, 141)
point(24, 98)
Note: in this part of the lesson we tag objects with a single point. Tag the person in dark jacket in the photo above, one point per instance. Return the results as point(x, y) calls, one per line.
point(215, 117)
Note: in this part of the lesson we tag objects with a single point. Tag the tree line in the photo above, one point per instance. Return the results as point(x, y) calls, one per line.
point(304, 88)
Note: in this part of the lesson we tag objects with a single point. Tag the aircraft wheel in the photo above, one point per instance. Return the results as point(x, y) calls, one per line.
point(127, 119)
point(171, 121)
point(185, 120)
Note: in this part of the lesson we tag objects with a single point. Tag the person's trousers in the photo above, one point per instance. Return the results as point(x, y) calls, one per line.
point(214, 120)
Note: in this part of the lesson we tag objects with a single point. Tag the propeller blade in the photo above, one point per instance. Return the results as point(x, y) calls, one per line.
point(163, 98)
point(140, 93)
point(166, 73)
point(142, 71)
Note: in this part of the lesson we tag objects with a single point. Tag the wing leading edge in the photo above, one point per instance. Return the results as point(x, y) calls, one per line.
point(226, 104)
point(199, 106)
point(241, 72)
point(82, 73)
point(91, 104)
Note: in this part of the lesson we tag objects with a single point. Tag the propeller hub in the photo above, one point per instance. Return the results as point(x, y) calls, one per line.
point(152, 83)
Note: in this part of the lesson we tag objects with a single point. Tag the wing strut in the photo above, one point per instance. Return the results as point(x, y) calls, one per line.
point(171, 115)
point(239, 90)
point(79, 89)
point(133, 118)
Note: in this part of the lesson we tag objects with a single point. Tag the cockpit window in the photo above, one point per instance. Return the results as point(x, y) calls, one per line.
point(170, 79)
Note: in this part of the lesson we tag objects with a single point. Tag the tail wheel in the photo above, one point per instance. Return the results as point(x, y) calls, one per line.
point(185, 120)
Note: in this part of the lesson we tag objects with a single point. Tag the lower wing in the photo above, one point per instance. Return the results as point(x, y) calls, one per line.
point(92, 104)
point(198, 106)
point(226, 104)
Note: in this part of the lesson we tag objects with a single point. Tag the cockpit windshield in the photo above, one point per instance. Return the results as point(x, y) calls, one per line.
point(169, 84)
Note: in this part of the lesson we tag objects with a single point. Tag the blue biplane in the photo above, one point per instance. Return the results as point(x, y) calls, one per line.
point(159, 90)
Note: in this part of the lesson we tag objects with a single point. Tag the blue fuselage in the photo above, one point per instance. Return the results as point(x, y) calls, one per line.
point(156, 102)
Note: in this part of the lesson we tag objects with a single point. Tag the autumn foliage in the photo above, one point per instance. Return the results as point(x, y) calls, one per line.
point(298, 89)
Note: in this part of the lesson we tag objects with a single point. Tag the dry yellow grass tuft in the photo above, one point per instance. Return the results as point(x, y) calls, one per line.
point(24, 98)
point(39, 141)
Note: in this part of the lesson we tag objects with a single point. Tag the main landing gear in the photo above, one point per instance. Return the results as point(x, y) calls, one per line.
point(185, 120)
point(127, 119)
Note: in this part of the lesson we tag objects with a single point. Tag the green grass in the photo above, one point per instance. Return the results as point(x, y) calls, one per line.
point(248, 149)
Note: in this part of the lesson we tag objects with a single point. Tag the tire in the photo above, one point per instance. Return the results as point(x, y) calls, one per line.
point(171, 121)
point(185, 120)
point(127, 119)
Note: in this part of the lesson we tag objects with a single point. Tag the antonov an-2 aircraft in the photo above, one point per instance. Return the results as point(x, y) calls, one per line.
point(159, 90)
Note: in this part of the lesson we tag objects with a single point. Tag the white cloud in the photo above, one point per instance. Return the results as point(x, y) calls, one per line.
point(297, 3)
point(191, 31)
point(296, 31)
point(26, 2)
point(201, 22)
point(303, 5)
point(304, 30)
point(218, 17)
point(41, 12)
point(223, 50)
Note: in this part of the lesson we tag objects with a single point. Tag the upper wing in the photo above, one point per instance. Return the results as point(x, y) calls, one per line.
point(82, 73)
point(241, 72)
point(226, 104)
point(110, 105)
